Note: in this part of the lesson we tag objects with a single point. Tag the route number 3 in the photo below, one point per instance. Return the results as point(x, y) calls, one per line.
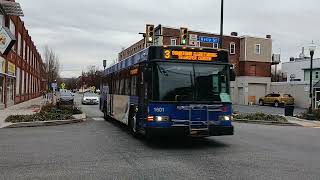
point(167, 54)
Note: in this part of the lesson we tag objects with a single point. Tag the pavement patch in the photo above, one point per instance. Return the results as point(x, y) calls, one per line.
point(98, 119)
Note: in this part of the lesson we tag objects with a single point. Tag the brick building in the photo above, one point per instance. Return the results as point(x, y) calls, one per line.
point(22, 72)
point(251, 57)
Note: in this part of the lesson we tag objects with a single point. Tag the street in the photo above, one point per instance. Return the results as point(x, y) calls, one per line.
point(92, 111)
point(97, 149)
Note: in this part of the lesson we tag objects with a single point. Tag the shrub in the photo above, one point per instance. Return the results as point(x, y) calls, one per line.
point(261, 116)
point(47, 113)
point(315, 112)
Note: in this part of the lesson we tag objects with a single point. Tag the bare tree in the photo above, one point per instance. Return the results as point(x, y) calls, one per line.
point(52, 64)
point(71, 83)
point(93, 76)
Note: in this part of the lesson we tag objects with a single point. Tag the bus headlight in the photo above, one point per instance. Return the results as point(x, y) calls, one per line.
point(225, 118)
point(162, 118)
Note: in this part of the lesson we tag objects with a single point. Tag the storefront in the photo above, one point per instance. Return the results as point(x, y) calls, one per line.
point(11, 83)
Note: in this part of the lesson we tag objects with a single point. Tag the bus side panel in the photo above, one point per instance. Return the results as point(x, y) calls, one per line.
point(121, 106)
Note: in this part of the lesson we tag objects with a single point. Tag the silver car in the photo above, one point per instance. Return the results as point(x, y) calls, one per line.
point(65, 98)
point(90, 98)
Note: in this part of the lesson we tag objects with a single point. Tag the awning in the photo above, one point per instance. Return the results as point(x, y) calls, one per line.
point(11, 8)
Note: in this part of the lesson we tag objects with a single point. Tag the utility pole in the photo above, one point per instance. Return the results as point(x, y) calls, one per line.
point(82, 82)
point(221, 24)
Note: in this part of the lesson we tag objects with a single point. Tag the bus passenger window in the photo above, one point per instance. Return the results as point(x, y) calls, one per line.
point(133, 85)
point(127, 87)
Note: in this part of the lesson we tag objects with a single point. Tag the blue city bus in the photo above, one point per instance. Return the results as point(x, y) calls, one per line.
point(171, 89)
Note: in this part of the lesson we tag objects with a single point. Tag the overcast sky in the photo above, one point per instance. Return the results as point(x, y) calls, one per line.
point(84, 32)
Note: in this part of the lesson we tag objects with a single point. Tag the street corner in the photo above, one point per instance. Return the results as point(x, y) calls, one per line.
point(303, 122)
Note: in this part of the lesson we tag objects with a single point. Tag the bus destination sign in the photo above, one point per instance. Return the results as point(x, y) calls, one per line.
point(190, 55)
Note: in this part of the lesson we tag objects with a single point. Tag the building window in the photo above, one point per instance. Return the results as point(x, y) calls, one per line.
point(257, 49)
point(19, 44)
point(317, 75)
point(1, 89)
point(28, 54)
point(1, 20)
point(18, 82)
point(232, 48)
point(10, 89)
point(215, 45)
point(22, 85)
point(173, 42)
point(252, 70)
point(24, 50)
point(12, 28)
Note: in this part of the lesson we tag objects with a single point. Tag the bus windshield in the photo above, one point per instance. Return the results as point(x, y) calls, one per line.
point(190, 82)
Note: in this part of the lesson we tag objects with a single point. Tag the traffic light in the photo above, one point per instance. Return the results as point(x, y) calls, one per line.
point(150, 33)
point(183, 36)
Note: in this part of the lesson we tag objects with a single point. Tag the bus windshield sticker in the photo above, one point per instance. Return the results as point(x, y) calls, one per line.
point(225, 97)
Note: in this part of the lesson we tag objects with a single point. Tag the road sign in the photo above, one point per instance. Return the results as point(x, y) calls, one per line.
point(54, 86)
point(193, 38)
point(62, 85)
point(205, 39)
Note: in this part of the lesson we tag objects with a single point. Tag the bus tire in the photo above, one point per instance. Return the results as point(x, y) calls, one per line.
point(133, 122)
point(105, 113)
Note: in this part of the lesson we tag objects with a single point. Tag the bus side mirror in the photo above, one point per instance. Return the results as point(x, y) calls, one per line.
point(232, 74)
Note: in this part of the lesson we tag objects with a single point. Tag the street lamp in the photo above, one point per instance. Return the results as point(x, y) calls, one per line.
point(312, 49)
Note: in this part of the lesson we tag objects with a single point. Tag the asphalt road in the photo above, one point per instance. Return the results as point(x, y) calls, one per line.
point(97, 149)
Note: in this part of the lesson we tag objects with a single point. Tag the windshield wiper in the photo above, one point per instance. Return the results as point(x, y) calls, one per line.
point(162, 70)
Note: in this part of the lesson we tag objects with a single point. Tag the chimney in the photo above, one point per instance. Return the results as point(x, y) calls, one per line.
point(302, 55)
point(234, 34)
point(268, 36)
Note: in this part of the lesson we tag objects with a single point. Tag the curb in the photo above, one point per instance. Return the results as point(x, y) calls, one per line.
point(265, 122)
point(46, 123)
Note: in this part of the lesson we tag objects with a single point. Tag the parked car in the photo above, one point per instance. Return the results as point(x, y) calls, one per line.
point(65, 98)
point(277, 99)
point(90, 98)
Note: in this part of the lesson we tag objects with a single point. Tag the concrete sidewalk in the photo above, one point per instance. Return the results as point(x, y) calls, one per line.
point(304, 123)
point(25, 108)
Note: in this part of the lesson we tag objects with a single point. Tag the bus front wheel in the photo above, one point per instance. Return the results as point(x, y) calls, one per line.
point(105, 113)
point(133, 124)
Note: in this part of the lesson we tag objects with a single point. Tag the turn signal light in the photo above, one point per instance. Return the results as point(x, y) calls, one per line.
point(150, 118)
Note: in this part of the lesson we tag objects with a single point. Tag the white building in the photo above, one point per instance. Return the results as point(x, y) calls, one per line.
point(298, 69)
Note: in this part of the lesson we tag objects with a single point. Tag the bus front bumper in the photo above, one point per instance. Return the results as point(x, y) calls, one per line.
point(214, 130)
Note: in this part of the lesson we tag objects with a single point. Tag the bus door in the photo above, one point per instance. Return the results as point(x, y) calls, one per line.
point(110, 100)
point(142, 91)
